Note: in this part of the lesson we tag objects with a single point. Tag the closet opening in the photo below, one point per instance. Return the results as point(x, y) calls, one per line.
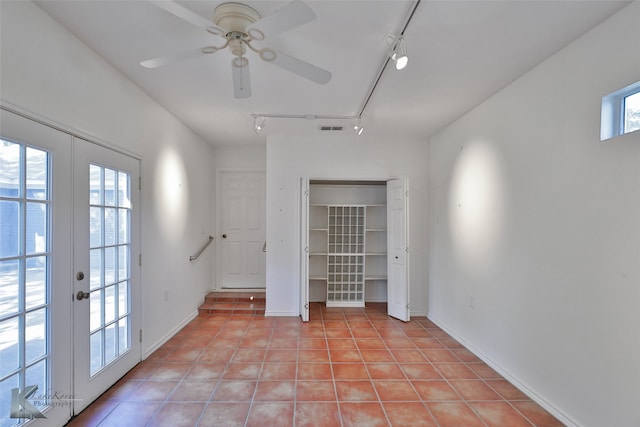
point(353, 234)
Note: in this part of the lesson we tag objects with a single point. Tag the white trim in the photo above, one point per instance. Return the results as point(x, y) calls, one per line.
point(565, 419)
point(168, 335)
point(281, 314)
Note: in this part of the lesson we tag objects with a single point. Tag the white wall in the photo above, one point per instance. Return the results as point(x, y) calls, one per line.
point(290, 157)
point(232, 158)
point(536, 223)
point(47, 71)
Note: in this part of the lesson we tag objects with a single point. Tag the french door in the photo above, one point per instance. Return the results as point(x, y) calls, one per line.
point(68, 224)
point(106, 279)
point(35, 288)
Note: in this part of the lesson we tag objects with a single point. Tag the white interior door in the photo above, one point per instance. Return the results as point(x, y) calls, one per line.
point(35, 260)
point(398, 249)
point(241, 229)
point(106, 303)
point(304, 249)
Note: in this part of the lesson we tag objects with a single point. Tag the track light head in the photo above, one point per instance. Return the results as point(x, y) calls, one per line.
point(258, 123)
point(397, 50)
point(357, 127)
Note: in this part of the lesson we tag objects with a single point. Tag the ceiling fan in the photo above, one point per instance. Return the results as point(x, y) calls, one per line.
point(240, 25)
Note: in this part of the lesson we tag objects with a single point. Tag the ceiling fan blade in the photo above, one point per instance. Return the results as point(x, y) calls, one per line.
point(187, 15)
point(241, 78)
point(287, 17)
point(165, 60)
point(302, 68)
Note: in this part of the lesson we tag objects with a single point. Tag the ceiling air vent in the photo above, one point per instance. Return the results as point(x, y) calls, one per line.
point(331, 128)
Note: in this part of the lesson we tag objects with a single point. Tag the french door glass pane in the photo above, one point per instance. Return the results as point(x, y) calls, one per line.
point(9, 228)
point(9, 355)
point(36, 232)
point(110, 214)
point(9, 286)
point(25, 203)
point(36, 282)
point(95, 268)
point(35, 335)
point(95, 227)
point(37, 172)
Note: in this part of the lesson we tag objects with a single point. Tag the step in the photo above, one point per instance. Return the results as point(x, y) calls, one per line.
point(235, 297)
point(233, 303)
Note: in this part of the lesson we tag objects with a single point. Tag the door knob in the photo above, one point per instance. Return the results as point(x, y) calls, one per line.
point(82, 295)
point(224, 236)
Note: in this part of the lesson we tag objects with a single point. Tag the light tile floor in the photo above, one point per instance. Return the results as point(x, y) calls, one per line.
point(346, 367)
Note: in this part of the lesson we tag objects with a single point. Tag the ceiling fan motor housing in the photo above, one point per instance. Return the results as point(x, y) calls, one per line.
point(235, 17)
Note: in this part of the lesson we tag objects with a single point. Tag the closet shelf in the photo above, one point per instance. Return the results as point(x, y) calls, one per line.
point(375, 277)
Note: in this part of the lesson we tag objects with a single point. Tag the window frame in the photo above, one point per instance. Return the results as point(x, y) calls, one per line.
point(613, 112)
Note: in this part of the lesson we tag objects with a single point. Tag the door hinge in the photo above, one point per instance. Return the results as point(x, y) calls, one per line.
point(140, 335)
point(306, 193)
point(406, 193)
point(407, 306)
point(140, 260)
point(306, 306)
point(406, 249)
point(306, 249)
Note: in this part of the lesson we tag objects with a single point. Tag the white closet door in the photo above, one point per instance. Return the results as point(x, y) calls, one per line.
point(304, 249)
point(397, 249)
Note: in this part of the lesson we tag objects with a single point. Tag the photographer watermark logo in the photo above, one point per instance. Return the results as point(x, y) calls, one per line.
point(21, 407)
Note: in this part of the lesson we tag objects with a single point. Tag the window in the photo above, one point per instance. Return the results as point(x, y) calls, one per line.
point(631, 112)
point(620, 112)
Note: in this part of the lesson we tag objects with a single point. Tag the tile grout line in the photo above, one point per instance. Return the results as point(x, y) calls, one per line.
point(333, 377)
point(409, 379)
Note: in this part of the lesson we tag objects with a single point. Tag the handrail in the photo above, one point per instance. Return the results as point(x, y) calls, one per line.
point(196, 256)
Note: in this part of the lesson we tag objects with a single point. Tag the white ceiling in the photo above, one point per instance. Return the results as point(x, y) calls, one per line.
point(460, 53)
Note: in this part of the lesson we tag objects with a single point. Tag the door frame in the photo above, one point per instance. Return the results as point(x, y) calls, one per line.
point(304, 249)
point(303, 238)
point(218, 228)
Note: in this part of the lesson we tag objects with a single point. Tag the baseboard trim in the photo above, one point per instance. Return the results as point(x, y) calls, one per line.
point(513, 380)
point(281, 313)
point(169, 335)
